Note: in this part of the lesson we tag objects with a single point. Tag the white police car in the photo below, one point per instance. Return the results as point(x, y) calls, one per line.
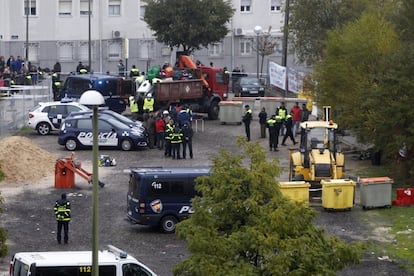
point(48, 116)
point(76, 132)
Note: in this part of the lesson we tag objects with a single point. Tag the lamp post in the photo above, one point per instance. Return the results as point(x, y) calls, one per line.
point(94, 98)
point(257, 31)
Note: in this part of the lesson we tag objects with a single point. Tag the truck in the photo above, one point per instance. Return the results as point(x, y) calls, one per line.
point(201, 89)
point(319, 157)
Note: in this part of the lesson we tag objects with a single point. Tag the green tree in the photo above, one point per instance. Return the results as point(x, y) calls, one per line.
point(310, 22)
point(242, 224)
point(187, 23)
point(356, 57)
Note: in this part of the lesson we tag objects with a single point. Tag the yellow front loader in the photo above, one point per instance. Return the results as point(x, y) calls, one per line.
point(318, 157)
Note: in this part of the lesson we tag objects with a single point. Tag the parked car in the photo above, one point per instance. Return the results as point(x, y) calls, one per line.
point(48, 116)
point(76, 132)
point(108, 86)
point(248, 86)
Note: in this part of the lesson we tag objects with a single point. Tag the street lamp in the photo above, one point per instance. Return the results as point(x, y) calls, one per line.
point(94, 98)
point(257, 31)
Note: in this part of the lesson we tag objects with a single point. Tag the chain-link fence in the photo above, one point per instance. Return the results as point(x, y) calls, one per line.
point(16, 102)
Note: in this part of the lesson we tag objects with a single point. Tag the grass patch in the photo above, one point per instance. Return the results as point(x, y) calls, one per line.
point(399, 218)
point(402, 227)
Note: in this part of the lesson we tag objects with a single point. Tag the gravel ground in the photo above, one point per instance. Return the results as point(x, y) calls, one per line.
point(29, 219)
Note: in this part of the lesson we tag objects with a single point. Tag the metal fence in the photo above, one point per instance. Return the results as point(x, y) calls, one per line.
point(16, 102)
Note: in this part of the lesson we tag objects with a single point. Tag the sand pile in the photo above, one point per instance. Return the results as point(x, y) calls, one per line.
point(23, 161)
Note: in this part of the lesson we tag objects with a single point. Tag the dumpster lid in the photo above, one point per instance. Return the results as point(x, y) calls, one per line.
point(380, 179)
point(343, 182)
point(294, 184)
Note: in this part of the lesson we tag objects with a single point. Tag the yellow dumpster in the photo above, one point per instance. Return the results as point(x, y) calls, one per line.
point(338, 194)
point(297, 191)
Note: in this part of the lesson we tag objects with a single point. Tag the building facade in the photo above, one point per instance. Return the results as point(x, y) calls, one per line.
point(47, 31)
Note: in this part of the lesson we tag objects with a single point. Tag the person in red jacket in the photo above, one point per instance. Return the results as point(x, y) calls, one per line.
point(159, 131)
point(296, 118)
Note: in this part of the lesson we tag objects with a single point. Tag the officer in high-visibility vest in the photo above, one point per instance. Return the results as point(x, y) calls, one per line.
point(139, 80)
point(133, 106)
point(169, 129)
point(55, 85)
point(83, 71)
point(62, 213)
point(271, 125)
point(134, 73)
point(282, 112)
point(148, 103)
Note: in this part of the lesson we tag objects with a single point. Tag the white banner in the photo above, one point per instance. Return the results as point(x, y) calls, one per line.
point(295, 80)
point(277, 75)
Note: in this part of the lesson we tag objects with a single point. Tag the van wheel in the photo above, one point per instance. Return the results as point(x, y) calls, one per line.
point(168, 224)
point(71, 144)
point(126, 145)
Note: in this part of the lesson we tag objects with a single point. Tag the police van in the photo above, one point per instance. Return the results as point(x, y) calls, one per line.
point(108, 86)
point(112, 262)
point(161, 196)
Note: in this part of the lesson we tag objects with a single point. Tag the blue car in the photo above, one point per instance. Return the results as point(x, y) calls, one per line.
point(76, 132)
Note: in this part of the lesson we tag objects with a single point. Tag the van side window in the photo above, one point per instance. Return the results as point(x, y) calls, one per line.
point(134, 270)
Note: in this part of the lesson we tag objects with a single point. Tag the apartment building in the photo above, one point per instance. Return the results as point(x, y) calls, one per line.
point(60, 30)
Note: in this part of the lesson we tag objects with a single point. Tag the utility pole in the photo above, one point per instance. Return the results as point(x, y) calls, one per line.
point(27, 10)
point(285, 45)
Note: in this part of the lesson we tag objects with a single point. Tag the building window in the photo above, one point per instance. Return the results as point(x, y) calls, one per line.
point(115, 49)
point(275, 5)
point(84, 7)
point(30, 7)
point(245, 6)
point(142, 9)
point(165, 51)
point(215, 49)
point(65, 7)
point(246, 47)
point(33, 52)
point(146, 49)
point(83, 53)
point(114, 7)
point(65, 51)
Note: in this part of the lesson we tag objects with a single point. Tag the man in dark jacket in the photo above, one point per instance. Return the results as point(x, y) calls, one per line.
point(187, 140)
point(247, 118)
point(62, 213)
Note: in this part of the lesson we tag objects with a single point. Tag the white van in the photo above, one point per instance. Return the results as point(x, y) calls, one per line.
point(112, 262)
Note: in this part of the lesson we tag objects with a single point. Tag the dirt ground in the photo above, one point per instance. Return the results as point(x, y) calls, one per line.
point(29, 196)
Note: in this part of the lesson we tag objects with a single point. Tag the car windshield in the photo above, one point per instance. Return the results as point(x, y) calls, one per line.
point(249, 81)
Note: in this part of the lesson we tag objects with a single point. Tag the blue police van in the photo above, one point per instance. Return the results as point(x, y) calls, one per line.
point(109, 86)
point(161, 196)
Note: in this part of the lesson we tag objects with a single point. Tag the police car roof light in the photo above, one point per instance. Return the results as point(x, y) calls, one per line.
point(117, 251)
point(66, 99)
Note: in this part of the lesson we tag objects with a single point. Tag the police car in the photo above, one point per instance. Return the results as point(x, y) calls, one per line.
point(76, 132)
point(48, 116)
point(112, 261)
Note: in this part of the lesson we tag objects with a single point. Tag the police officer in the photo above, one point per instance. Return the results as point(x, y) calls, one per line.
point(169, 128)
point(271, 125)
point(62, 213)
point(289, 132)
point(247, 118)
point(133, 106)
point(176, 140)
point(282, 112)
point(134, 73)
point(55, 85)
point(187, 131)
point(149, 103)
